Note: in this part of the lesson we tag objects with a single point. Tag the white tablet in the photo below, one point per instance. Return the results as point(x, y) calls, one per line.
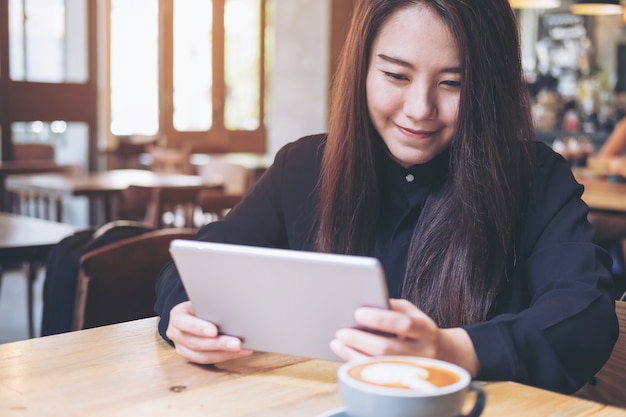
point(278, 300)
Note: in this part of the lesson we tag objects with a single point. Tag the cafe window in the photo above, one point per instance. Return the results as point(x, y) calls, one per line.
point(68, 139)
point(191, 72)
point(47, 88)
point(134, 67)
point(48, 41)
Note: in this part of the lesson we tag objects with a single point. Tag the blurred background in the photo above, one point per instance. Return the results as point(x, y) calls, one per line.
point(101, 80)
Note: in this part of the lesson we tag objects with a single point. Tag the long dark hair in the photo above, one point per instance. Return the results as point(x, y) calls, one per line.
point(463, 242)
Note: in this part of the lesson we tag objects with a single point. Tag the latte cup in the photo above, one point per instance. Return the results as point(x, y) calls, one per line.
point(406, 386)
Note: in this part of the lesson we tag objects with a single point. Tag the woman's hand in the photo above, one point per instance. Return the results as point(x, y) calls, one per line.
point(412, 333)
point(198, 341)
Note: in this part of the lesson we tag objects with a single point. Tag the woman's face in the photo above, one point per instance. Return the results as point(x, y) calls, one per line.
point(413, 85)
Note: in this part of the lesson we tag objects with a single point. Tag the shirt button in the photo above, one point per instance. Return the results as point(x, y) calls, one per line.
point(410, 178)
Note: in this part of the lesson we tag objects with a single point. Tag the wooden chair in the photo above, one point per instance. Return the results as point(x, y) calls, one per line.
point(116, 282)
point(32, 158)
point(217, 203)
point(609, 385)
point(236, 179)
point(170, 160)
point(174, 201)
point(33, 152)
point(129, 151)
point(150, 204)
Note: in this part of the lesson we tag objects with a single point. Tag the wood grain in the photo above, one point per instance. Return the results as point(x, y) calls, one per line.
point(600, 193)
point(128, 370)
point(610, 383)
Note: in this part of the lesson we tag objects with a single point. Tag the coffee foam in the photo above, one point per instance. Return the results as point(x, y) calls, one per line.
point(398, 374)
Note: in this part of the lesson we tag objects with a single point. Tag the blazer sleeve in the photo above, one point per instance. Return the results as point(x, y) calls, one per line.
point(555, 323)
point(276, 212)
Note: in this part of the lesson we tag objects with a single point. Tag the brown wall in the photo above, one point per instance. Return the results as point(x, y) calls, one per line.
point(340, 12)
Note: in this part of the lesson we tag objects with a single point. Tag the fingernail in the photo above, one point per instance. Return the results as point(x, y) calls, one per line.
point(362, 314)
point(232, 344)
point(340, 333)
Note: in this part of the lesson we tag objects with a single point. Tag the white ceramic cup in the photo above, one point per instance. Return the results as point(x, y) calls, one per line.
point(406, 386)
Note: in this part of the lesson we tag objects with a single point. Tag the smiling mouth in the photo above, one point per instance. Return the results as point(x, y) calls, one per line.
point(420, 133)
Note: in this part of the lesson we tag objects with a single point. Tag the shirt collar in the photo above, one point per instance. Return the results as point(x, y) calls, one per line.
point(417, 175)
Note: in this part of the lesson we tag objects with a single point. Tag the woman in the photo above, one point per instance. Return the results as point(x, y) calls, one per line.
point(615, 144)
point(429, 166)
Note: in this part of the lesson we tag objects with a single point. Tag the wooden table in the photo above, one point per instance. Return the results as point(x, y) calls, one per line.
point(102, 188)
point(27, 241)
point(601, 193)
point(28, 167)
point(128, 370)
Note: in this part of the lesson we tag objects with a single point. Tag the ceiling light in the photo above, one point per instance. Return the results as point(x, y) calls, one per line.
point(535, 4)
point(597, 7)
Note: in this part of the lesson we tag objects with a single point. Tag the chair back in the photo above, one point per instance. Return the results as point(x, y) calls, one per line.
point(217, 203)
point(33, 152)
point(235, 177)
point(177, 202)
point(609, 385)
point(170, 160)
point(116, 282)
point(129, 151)
point(150, 204)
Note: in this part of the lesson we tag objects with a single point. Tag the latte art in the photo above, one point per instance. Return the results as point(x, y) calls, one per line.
point(406, 386)
point(398, 375)
point(401, 374)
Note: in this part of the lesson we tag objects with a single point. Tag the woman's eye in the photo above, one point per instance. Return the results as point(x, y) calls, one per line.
point(451, 83)
point(394, 76)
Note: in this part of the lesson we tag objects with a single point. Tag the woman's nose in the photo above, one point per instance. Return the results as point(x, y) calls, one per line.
point(419, 103)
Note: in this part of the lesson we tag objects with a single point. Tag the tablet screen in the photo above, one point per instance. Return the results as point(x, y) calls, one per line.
point(278, 300)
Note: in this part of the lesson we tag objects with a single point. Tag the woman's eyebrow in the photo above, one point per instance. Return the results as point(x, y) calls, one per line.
point(396, 61)
point(403, 63)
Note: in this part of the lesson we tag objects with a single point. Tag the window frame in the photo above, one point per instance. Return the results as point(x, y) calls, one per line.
point(84, 102)
point(44, 101)
point(218, 139)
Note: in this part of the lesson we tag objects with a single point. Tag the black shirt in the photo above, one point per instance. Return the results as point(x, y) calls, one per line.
point(553, 323)
point(403, 194)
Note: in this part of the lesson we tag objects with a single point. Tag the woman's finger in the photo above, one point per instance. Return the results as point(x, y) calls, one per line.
point(407, 321)
point(345, 352)
point(184, 320)
point(209, 357)
point(367, 343)
point(209, 349)
point(192, 325)
point(403, 330)
point(386, 321)
point(404, 306)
